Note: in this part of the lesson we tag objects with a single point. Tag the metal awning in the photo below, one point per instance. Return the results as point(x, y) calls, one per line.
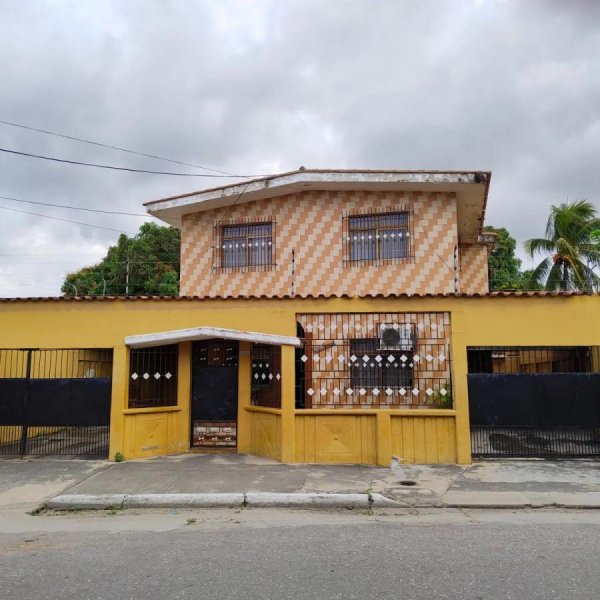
point(205, 333)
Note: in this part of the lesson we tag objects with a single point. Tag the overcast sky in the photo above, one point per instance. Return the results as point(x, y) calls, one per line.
point(255, 87)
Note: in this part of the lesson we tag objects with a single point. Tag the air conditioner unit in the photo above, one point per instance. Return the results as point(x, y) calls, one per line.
point(396, 336)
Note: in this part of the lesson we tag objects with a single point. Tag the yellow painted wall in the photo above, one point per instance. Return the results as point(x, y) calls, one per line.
point(348, 435)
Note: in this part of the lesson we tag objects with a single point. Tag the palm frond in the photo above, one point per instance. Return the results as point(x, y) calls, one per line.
point(539, 274)
point(535, 245)
point(556, 280)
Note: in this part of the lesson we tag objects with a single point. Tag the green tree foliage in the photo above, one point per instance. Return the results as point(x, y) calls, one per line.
point(572, 247)
point(503, 266)
point(151, 257)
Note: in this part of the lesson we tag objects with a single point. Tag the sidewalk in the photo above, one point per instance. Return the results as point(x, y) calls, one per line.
point(235, 480)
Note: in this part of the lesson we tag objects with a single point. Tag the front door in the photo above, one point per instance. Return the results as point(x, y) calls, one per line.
point(214, 393)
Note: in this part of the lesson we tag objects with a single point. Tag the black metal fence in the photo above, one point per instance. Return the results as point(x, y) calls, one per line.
point(55, 401)
point(535, 441)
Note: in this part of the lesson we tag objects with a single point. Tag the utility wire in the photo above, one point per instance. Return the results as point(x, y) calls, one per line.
point(95, 210)
point(112, 167)
point(66, 220)
point(77, 139)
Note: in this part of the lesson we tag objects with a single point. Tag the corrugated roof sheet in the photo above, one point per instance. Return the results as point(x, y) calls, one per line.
point(520, 294)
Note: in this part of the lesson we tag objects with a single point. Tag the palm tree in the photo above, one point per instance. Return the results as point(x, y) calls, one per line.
point(573, 249)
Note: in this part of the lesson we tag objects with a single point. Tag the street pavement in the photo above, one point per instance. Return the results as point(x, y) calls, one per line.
point(271, 554)
point(29, 484)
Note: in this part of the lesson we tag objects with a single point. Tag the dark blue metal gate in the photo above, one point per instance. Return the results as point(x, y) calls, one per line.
point(55, 402)
point(547, 414)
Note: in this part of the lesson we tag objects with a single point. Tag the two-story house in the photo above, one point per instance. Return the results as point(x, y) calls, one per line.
point(321, 235)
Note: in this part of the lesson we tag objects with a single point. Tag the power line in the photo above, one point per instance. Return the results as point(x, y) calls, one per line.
point(154, 156)
point(25, 212)
point(112, 167)
point(95, 210)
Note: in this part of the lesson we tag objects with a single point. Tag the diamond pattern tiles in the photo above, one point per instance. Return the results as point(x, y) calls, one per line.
point(351, 365)
point(311, 223)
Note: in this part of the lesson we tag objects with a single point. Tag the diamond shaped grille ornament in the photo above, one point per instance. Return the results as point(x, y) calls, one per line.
point(157, 375)
point(328, 358)
point(303, 358)
point(375, 391)
point(403, 358)
point(391, 358)
point(389, 391)
point(428, 358)
point(415, 391)
point(310, 391)
point(323, 391)
point(134, 376)
point(443, 391)
point(341, 358)
point(349, 391)
point(378, 358)
point(278, 376)
point(442, 357)
point(336, 391)
point(353, 358)
point(416, 358)
point(168, 375)
point(362, 391)
point(270, 376)
point(146, 375)
point(402, 391)
point(255, 375)
point(365, 358)
point(429, 391)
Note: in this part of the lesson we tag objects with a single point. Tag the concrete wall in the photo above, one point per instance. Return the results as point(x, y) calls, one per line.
point(371, 436)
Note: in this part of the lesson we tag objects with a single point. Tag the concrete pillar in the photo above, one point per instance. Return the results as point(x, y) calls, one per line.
point(244, 419)
point(119, 399)
point(288, 404)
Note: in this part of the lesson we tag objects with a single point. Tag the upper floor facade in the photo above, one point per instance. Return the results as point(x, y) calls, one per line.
point(313, 233)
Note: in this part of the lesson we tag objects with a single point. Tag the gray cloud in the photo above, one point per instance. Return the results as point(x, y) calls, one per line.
point(257, 87)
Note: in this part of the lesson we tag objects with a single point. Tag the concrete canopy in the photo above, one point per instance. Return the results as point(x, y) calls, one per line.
point(175, 336)
point(471, 189)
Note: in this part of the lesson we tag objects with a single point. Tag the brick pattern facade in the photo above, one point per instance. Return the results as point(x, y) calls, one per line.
point(473, 276)
point(311, 225)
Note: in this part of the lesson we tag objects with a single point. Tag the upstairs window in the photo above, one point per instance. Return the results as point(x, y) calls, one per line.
point(378, 237)
point(246, 245)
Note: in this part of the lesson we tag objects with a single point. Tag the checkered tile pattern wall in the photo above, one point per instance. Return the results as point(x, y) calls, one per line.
point(311, 225)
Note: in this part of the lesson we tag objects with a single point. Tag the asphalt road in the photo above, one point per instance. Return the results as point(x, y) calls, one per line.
point(280, 555)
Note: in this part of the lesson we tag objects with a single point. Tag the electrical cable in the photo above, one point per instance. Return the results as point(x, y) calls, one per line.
point(112, 167)
point(77, 139)
point(66, 220)
point(95, 210)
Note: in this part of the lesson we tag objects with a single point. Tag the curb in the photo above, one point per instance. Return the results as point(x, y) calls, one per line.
point(231, 500)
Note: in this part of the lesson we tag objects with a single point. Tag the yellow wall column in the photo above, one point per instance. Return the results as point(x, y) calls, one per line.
point(460, 393)
point(184, 400)
point(288, 404)
point(384, 438)
point(244, 419)
point(119, 398)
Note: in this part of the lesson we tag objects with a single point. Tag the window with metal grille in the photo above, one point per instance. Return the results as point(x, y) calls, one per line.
point(266, 376)
point(372, 370)
point(246, 245)
point(153, 376)
point(378, 237)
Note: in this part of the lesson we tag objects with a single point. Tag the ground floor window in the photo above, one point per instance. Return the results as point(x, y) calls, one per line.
point(153, 376)
point(374, 360)
point(266, 376)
